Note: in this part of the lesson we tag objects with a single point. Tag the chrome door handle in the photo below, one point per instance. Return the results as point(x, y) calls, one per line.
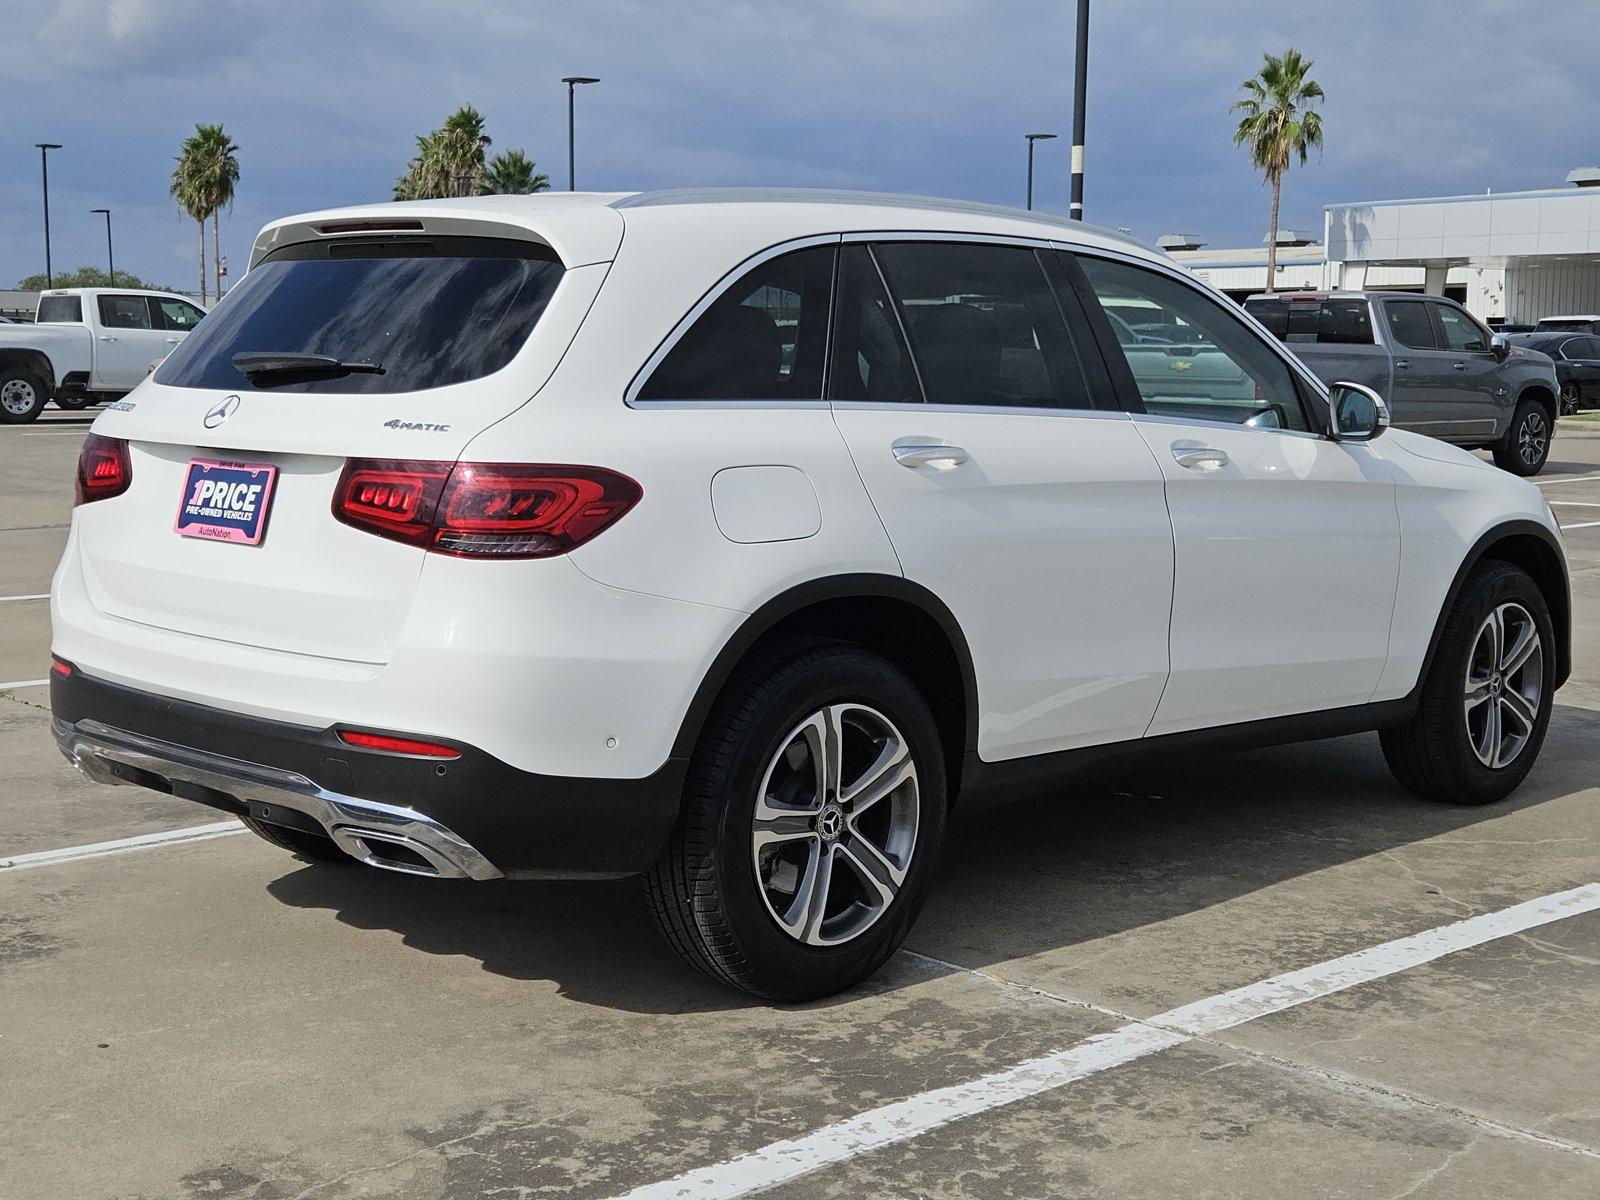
point(172, 341)
point(928, 455)
point(1205, 458)
point(106, 337)
point(1400, 364)
point(1459, 366)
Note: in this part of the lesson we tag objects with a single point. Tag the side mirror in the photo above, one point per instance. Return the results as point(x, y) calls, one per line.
point(1359, 413)
point(1501, 347)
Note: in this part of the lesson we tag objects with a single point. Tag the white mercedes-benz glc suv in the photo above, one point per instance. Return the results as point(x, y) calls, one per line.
point(727, 538)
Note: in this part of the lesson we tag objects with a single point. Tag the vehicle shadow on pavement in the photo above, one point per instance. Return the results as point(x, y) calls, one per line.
point(1108, 855)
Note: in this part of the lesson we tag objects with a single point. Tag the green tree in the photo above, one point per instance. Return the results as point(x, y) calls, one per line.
point(1278, 123)
point(188, 189)
point(449, 161)
point(217, 176)
point(87, 277)
point(511, 173)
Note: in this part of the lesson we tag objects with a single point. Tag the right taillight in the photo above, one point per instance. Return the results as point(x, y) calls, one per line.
point(104, 469)
point(483, 510)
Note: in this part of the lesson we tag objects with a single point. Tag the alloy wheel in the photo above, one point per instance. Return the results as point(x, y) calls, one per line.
point(17, 397)
point(1532, 437)
point(835, 824)
point(1504, 685)
point(1569, 399)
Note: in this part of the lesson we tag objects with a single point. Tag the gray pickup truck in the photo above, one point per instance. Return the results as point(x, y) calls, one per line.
point(1442, 372)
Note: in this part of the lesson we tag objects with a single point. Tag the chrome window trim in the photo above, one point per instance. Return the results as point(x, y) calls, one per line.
point(1296, 368)
point(730, 277)
point(1203, 423)
point(1013, 410)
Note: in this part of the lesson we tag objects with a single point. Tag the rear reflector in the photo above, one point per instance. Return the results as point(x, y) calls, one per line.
point(104, 469)
point(483, 510)
point(60, 666)
point(390, 744)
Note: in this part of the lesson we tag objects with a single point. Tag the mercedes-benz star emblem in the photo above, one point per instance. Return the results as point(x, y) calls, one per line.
point(221, 411)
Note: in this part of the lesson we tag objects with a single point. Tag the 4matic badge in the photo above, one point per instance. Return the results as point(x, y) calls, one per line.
point(422, 426)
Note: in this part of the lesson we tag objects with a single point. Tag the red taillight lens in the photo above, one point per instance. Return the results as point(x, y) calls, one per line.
point(104, 469)
point(483, 510)
point(390, 744)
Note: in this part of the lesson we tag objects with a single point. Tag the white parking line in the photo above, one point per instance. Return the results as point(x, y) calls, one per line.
point(39, 596)
point(145, 841)
point(1574, 479)
point(1573, 504)
point(782, 1162)
point(22, 683)
point(1582, 525)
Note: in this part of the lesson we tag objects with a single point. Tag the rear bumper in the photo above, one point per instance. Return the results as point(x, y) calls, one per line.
point(473, 817)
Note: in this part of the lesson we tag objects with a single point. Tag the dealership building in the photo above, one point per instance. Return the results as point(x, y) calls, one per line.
point(1508, 256)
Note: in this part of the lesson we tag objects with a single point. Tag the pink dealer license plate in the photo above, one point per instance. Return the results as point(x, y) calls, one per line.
point(226, 501)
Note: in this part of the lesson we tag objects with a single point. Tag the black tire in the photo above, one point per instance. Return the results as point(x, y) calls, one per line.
point(313, 846)
point(1570, 399)
point(74, 403)
point(1526, 445)
point(708, 898)
point(22, 396)
point(1432, 754)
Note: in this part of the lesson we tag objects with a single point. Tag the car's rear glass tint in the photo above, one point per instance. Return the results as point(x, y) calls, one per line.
point(60, 310)
point(432, 311)
point(1340, 321)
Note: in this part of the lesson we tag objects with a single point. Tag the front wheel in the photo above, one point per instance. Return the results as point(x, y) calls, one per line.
point(1527, 442)
point(22, 396)
point(813, 819)
point(1487, 698)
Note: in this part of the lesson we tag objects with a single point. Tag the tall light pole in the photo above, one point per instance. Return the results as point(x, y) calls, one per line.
point(44, 176)
point(572, 82)
point(1032, 138)
point(111, 263)
point(1080, 96)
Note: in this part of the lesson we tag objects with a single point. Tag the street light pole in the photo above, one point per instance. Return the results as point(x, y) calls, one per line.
point(44, 176)
point(1080, 96)
point(1032, 138)
point(111, 263)
point(572, 82)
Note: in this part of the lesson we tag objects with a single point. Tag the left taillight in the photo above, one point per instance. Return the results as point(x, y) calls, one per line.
point(483, 510)
point(104, 469)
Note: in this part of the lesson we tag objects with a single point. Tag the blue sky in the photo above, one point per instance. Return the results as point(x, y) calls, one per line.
point(1425, 97)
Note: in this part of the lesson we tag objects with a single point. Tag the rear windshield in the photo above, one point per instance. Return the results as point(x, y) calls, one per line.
point(1342, 321)
point(60, 310)
point(431, 311)
point(1574, 323)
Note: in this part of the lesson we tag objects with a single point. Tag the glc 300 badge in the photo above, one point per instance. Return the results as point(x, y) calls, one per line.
point(221, 411)
point(422, 426)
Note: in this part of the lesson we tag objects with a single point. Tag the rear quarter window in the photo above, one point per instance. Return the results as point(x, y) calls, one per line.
point(433, 311)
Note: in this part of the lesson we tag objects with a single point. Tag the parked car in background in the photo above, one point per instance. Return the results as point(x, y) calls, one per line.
point(726, 538)
point(1577, 362)
point(1442, 372)
point(87, 345)
point(1571, 324)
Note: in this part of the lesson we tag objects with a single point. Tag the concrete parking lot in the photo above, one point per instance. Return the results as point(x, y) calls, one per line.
point(213, 1018)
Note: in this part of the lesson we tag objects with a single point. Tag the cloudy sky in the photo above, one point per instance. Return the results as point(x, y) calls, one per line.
point(1425, 97)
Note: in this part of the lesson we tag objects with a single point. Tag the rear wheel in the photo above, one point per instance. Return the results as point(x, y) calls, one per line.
point(1486, 702)
point(313, 846)
point(813, 818)
point(1527, 442)
point(1569, 399)
point(22, 396)
point(74, 403)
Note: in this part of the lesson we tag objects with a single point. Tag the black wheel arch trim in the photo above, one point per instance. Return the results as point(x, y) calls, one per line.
point(1560, 604)
point(805, 595)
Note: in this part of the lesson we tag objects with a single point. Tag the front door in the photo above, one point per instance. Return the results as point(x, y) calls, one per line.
point(1478, 394)
point(1287, 544)
point(1423, 396)
point(1038, 519)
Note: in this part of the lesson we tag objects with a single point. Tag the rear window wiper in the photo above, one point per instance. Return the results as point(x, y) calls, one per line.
point(262, 366)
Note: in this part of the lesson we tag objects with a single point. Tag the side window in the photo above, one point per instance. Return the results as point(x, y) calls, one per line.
point(60, 310)
point(1408, 321)
point(1587, 348)
point(761, 339)
point(177, 315)
point(984, 325)
point(870, 358)
point(1344, 322)
point(1189, 356)
point(1461, 332)
point(124, 312)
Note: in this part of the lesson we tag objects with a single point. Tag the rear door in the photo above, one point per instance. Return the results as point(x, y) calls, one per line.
point(464, 330)
point(1583, 359)
point(1287, 544)
point(128, 339)
point(978, 417)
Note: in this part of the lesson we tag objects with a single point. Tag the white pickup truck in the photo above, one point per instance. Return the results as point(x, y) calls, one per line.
point(86, 345)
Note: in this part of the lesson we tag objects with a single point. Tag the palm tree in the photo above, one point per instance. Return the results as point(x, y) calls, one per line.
point(1278, 123)
point(449, 161)
point(511, 173)
point(218, 174)
point(187, 191)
